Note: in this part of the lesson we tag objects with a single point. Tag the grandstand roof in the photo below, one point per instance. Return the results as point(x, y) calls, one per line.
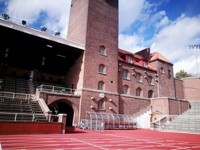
point(28, 47)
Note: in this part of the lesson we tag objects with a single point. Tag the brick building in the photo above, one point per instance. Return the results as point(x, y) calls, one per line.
point(106, 79)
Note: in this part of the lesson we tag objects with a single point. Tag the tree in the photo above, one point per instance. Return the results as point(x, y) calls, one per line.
point(182, 74)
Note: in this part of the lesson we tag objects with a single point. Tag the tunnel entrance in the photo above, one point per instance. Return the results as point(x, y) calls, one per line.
point(61, 107)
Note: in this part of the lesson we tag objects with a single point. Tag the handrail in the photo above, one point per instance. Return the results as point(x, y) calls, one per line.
point(56, 89)
point(33, 115)
point(15, 95)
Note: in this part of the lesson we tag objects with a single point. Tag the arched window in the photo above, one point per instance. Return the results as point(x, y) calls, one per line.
point(149, 80)
point(150, 94)
point(102, 50)
point(125, 89)
point(162, 70)
point(125, 75)
point(101, 104)
point(101, 85)
point(138, 77)
point(102, 69)
point(138, 91)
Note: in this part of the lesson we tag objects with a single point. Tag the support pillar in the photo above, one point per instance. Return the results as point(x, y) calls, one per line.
point(62, 118)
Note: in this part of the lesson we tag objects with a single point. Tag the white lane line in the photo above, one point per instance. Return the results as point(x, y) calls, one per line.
point(90, 144)
point(0, 147)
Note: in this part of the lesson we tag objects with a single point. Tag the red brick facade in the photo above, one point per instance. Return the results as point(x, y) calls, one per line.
point(191, 88)
point(94, 23)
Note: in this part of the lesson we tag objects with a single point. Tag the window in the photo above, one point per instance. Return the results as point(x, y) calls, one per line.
point(125, 75)
point(102, 50)
point(101, 104)
point(129, 59)
point(149, 80)
point(138, 77)
point(138, 92)
point(125, 89)
point(145, 64)
point(100, 85)
point(102, 69)
point(169, 74)
point(162, 70)
point(150, 94)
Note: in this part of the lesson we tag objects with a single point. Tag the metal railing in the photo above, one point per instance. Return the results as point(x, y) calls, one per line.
point(12, 95)
point(27, 117)
point(56, 89)
point(181, 123)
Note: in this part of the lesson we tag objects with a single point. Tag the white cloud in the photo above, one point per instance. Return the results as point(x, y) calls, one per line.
point(165, 21)
point(190, 65)
point(173, 40)
point(57, 12)
point(132, 43)
point(129, 10)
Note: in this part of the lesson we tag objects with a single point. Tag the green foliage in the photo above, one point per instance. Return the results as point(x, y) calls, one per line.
point(183, 74)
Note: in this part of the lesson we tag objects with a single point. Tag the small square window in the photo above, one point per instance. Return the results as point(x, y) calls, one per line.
point(162, 70)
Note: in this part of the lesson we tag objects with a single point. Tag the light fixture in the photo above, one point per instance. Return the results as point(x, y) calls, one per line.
point(23, 22)
point(92, 98)
point(42, 28)
point(110, 100)
point(110, 108)
point(59, 55)
point(57, 33)
point(50, 46)
point(5, 16)
point(92, 107)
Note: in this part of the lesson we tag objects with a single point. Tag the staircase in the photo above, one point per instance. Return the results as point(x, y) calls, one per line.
point(188, 122)
point(37, 111)
point(23, 110)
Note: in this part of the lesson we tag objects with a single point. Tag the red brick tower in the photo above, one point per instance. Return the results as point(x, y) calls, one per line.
point(94, 23)
point(166, 83)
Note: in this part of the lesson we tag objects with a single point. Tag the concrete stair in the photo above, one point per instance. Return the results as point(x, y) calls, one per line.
point(189, 121)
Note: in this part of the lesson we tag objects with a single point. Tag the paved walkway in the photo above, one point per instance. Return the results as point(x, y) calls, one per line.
point(106, 140)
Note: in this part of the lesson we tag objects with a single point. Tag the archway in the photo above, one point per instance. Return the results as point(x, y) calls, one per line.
point(61, 107)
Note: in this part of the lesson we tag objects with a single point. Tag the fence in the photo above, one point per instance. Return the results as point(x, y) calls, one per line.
point(27, 117)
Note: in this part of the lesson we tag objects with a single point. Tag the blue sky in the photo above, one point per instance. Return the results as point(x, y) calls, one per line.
point(165, 26)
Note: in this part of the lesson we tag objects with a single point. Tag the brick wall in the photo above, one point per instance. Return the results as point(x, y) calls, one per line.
point(169, 106)
point(77, 21)
point(30, 128)
point(191, 88)
point(131, 105)
point(133, 84)
point(102, 29)
point(179, 89)
point(166, 83)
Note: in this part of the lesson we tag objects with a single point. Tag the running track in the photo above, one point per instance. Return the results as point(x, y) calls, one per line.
point(106, 140)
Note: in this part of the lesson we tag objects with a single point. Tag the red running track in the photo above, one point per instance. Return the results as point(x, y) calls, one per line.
point(106, 140)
